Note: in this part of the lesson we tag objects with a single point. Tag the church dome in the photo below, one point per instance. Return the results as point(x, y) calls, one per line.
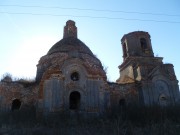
point(70, 47)
point(69, 44)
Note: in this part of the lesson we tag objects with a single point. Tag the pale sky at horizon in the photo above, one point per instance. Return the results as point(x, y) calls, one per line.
point(28, 29)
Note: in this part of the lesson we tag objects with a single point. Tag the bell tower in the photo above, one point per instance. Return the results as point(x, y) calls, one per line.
point(137, 56)
point(156, 82)
point(137, 44)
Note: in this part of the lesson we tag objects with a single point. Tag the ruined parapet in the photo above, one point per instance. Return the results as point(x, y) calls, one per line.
point(123, 95)
point(15, 96)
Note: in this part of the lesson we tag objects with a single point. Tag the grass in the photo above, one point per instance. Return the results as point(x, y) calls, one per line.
point(130, 120)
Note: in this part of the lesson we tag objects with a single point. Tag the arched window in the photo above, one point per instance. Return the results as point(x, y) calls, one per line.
point(75, 76)
point(163, 100)
point(143, 44)
point(122, 102)
point(122, 105)
point(74, 100)
point(124, 50)
point(16, 104)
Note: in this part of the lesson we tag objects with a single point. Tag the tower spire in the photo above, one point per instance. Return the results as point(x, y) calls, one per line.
point(70, 30)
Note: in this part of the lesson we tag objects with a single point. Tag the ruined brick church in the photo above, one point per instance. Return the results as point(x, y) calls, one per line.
point(71, 78)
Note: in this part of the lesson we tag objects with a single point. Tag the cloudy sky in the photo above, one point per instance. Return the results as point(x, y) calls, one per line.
point(28, 29)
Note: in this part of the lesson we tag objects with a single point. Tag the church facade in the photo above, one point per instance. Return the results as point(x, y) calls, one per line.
point(70, 78)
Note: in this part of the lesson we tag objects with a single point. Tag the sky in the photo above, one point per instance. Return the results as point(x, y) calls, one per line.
point(29, 28)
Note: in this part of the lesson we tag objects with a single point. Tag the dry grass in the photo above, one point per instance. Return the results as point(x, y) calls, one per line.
point(132, 120)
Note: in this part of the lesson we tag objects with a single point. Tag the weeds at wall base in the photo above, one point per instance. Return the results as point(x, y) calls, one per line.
point(131, 120)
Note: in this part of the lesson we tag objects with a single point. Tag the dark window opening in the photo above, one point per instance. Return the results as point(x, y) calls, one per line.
point(143, 44)
point(135, 72)
point(16, 104)
point(75, 76)
point(74, 98)
point(124, 50)
point(122, 102)
point(163, 100)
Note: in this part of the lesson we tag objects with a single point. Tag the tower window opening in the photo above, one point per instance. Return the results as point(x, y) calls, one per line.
point(74, 100)
point(143, 44)
point(16, 104)
point(75, 76)
point(124, 50)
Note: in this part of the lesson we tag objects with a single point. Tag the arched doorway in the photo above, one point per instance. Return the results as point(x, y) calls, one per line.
point(74, 100)
point(16, 104)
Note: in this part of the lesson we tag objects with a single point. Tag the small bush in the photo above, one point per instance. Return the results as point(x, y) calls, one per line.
point(7, 77)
